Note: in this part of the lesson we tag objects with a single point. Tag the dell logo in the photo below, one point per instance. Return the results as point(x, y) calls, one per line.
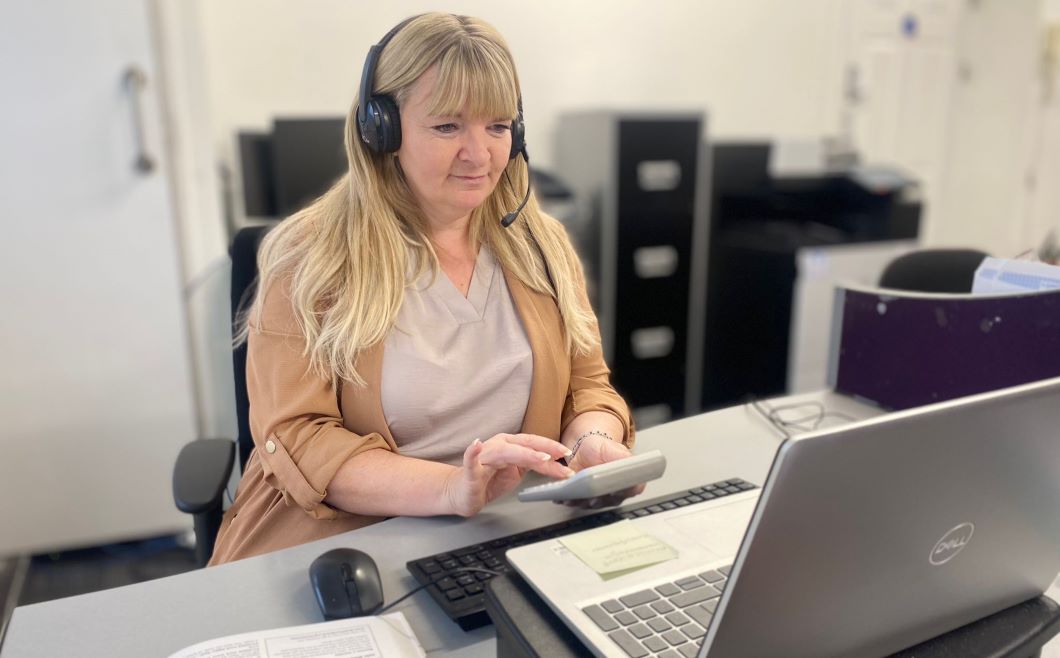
point(951, 544)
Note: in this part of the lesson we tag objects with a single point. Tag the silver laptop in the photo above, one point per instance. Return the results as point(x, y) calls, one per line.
point(864, 540)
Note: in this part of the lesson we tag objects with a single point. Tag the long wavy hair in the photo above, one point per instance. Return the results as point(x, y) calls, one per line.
point(346, 258)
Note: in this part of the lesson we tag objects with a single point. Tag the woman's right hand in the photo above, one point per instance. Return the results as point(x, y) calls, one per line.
point(494, 467)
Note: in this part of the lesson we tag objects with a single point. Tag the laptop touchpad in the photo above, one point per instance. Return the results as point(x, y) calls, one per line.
point(718, 529)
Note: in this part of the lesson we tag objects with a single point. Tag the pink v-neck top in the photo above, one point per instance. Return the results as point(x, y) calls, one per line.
point(455, 368)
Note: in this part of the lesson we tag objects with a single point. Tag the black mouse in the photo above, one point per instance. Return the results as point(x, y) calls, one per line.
point(346, 583)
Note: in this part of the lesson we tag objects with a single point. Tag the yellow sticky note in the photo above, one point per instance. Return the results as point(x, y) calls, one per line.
point(617, 549)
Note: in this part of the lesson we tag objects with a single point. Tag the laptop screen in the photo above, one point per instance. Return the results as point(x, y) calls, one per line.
point(906, 350)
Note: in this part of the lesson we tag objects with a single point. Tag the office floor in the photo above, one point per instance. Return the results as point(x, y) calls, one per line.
point(56, 575)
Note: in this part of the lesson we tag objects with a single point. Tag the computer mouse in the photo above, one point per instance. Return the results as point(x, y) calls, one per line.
point(346, 583)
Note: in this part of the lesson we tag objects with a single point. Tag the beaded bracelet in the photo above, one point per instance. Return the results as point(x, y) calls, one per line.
point(578, 443)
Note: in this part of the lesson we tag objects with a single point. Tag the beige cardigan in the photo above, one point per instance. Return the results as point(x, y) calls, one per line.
point(304, 429)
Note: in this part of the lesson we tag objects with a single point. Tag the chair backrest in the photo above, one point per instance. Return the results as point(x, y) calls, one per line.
point(244, 254)
point(933, 270)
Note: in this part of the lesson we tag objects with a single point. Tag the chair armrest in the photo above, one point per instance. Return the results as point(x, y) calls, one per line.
point(201, 474)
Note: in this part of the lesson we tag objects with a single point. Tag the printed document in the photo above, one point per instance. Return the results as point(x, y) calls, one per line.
point(361, 637)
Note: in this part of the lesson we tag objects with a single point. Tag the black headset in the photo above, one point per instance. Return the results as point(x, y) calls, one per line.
point(378, 117)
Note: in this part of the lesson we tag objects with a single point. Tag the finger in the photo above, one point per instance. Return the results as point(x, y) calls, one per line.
point(553, 470)
point(539, 443)
point(471, 455)
point(499, 454)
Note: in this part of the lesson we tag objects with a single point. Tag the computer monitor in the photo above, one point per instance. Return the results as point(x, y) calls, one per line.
point(308, 156)
point(901, 350)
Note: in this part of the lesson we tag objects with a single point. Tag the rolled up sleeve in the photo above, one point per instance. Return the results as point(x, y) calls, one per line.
point(590, 384)
point(294, 414)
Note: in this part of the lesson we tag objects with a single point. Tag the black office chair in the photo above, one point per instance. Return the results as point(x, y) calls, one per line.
point(933, 270)
point(204, 467)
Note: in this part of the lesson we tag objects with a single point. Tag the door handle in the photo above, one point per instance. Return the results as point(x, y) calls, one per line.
point(135, 81)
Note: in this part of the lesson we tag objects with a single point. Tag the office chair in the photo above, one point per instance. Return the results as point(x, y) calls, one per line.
point(933, 270)
point(204, 466)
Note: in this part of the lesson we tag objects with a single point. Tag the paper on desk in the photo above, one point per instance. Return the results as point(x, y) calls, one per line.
point(996, 275)
point(361, 637)
point(617, 549)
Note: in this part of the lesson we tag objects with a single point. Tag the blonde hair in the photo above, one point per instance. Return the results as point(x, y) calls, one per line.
point(345, 258)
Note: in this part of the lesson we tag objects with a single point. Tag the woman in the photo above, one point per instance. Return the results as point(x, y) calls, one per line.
point(408, 354)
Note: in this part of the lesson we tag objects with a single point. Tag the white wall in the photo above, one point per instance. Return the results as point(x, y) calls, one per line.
point(761, 67)
point(991, 128)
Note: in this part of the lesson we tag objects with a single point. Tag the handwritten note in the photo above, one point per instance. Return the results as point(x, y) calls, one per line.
point(617, 549)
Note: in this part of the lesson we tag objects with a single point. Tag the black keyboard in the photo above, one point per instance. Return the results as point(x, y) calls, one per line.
point(456, 579)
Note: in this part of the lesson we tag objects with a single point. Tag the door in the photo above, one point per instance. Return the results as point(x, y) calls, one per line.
point(903, 70)
point(95, 385)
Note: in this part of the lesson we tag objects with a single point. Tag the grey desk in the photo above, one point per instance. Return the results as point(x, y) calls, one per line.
point(159, 617)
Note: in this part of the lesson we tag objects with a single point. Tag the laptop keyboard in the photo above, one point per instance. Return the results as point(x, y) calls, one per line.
point(459, 591)
point(666, 621)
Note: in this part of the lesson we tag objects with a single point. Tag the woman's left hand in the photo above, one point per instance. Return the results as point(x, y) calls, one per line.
point(595, 450)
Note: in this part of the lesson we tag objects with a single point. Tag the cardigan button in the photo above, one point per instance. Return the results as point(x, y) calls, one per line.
point(270, 447)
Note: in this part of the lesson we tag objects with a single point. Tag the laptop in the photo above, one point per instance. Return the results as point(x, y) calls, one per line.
point(864, 540)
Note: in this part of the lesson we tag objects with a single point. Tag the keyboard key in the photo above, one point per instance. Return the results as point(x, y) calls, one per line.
point(711, 605)
point(655, 644)
point(632, 648)
point(641, 512)
point(711, 576)
point(431, 567)
point(600, 618)
point(638, 598)
point(694, 498)
point(449, 565)
point(698, 595)
point(482, 575)
point(659, 625)
point(446, 583)
point(692, 631)
point(674, 638)
point(473, 589)
point(706, 495)
point(732, 489)
point(745, 486)
point(697, 490)
point(626, 618)
point(465, 579)
point(662, 607)
point(726, 570)
point(668, 589)
point(454, 594)
point(612, 606)
point(645, 612)
point(668, 506)
point(677, 618)
point(669, 653)
point(639, 631)
point(699, 614)
point(720, 585)
point(691, 582)
point(484, 555)
point(682, 502)
point(654, 509)
point(690, 650)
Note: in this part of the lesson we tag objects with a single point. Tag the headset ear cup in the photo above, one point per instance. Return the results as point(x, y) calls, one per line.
point(389, 124)
point(518, 137)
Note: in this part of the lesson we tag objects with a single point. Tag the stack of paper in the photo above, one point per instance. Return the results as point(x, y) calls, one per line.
point(999, 275)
